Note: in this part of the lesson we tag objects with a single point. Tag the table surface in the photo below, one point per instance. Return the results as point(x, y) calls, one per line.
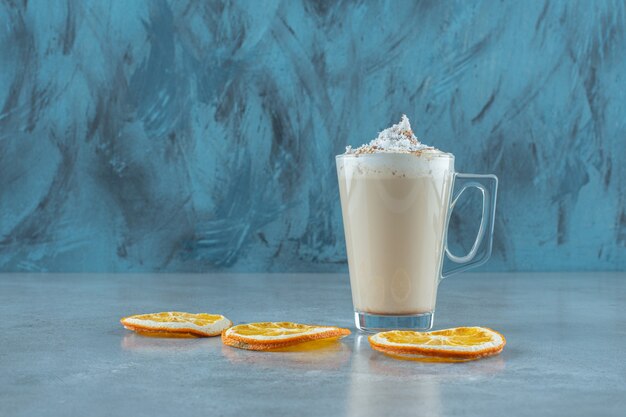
point(64, 353)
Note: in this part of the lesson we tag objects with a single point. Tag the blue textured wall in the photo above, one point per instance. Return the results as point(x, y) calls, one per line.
point(153, 135)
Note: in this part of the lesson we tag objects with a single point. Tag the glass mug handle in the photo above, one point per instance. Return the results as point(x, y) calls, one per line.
point(481, 249)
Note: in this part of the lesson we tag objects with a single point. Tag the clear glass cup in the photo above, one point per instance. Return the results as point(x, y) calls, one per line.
point(396, 209)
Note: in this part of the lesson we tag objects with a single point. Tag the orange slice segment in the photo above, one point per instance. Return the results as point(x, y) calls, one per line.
point(170, 335)
point(461, 343)
point(177, 324)
point(422, 358)
point(269, 336)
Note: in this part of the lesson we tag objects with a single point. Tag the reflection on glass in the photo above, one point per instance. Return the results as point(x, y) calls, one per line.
point(376, 380)
point(373, 387)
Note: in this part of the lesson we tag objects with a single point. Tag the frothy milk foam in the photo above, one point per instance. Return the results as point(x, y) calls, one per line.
point(395, 194)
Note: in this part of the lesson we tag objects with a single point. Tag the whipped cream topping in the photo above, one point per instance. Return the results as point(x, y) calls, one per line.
point(398, 138)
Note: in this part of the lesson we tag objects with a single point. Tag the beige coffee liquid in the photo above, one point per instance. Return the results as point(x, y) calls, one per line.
point(395, 212)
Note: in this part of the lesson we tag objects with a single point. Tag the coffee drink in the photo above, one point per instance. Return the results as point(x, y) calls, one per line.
point(396, 197)
point(395, 212)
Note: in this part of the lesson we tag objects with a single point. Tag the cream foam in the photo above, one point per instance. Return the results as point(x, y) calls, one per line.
point(398, 138)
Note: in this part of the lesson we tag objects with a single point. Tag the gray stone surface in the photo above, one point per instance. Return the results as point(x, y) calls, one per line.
point(64, 353)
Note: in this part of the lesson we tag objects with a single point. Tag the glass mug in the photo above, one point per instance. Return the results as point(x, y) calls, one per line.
point(396, 208)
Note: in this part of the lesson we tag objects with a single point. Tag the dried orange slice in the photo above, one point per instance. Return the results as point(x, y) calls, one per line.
point(177, 324)
point(449, 345)
point(423, 358)
point(278, 335)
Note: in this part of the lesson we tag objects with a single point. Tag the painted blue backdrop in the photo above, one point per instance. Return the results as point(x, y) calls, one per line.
point(195, 136)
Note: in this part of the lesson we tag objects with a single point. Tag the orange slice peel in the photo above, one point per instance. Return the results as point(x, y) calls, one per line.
point(276, 336)
point(177, 324)
point(449, 345)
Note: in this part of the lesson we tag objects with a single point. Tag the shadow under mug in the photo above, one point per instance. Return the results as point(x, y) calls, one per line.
point(396, 210)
